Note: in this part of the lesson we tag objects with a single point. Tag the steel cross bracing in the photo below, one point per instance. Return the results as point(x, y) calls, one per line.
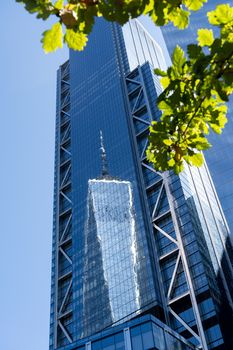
point(178, 284)
point(63, 289)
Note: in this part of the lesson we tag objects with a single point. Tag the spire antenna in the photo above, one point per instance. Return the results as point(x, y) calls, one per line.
point(103, 156)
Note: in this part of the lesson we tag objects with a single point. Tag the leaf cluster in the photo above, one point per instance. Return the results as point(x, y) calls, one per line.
point(196, 90)
point(76, 17)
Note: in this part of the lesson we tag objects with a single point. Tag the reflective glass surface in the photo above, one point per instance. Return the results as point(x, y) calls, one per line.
point(141, 47)
point(143, 333)
point(110, 260)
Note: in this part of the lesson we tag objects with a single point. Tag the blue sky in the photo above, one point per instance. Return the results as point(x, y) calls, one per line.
point(28, 90)
point(28, 84)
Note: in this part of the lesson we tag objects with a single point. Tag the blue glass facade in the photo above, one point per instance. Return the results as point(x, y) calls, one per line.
point(143, 333)
point(136, 242)
point(220, 157)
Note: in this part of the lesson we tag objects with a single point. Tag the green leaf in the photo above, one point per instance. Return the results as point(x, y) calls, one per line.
point(226, 51)
point(193, 51)
point(178, 59)
point(167, 110)
point(44, 8)
point(180, 18)
point(228, 77)
point(194, 5)
point(221, 15)
point(222, 119)
point(75, 40)
point(171, 162)
point(52, 38)
point(30, 5)
point(158, 15)
point(149, 7)
point(178, 168)
point(165, 81)
point(167, 142)
point(216, 128)
point(202, 144)
point(197, 159)
point(160, 72)
point(205, 37)
point(220, 90)
point(59, 4)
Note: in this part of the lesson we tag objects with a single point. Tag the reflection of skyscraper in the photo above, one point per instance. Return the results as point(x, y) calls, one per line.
point(111, 271)
point(220, 157)
point(169, 276)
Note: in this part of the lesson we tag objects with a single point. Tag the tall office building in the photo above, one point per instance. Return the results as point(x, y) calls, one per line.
point(220, 157)
point(141, 259)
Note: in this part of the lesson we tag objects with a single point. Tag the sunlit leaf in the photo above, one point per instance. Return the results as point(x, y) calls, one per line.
point(165, 81)
point(160, 72)
point(59, 4)
point(194, 5)
point(221, 15)
point(180, 18)
point(178, 59)
point(205, 37)
point(52, 38)
point(75, 40)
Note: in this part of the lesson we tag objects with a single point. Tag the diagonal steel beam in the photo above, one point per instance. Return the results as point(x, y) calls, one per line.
point(65, 150)
point(173, 276)
point(65, 229)
point(157, 201)
point(65, 176)
point(165, 234)
point(65, 331)
point(67, 198)
point(135, 104)
point(167, 255)
point(65, 255)
point(141, 120)
point(184, 324)
point(65, 133)
point(65, 297)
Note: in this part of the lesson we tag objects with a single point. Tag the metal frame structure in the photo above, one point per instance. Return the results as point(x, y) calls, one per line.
point(160, 189)
point(63, 288)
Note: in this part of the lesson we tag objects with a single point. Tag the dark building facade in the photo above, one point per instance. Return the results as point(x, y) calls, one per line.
point(131, 246)
point(220, 157)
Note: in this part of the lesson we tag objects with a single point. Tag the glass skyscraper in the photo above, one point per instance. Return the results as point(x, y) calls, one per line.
point(141, 259)
point(220, 157)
